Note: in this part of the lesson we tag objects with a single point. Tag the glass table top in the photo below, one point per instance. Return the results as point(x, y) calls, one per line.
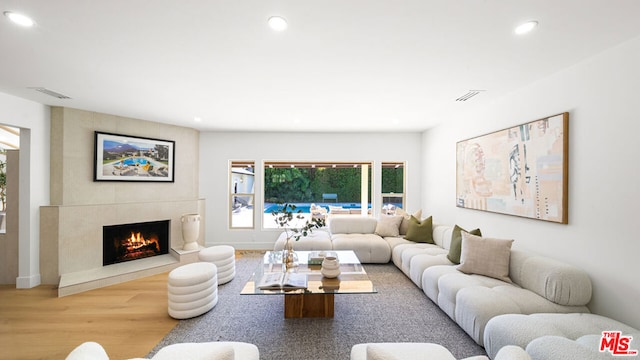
point(353, 278)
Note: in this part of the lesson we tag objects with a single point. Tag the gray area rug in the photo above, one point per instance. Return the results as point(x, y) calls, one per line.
point(399, 312)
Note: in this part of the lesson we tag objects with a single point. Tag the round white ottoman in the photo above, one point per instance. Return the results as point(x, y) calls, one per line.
point(192, 290)
point(224, 257)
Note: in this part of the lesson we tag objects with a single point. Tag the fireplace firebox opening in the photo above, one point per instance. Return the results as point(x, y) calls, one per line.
point(126, 242)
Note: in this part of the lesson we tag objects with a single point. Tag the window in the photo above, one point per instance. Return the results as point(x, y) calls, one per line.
point(9, 144)
point(337, 187)
point(241, 195)
point(3, 189)
point(392, 185)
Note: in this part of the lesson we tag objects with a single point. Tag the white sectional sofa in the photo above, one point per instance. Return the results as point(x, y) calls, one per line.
point(531, 284)
point(536, 284)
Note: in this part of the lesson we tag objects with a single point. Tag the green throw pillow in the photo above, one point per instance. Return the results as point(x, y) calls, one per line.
point(420, 231)
point(456, 243)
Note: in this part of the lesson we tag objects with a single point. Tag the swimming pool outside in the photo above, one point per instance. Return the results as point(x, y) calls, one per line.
point(244, 216)
point(305, 207)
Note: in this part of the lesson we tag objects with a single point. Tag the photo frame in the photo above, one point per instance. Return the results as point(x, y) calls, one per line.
point(130, 158)
point(520, 171)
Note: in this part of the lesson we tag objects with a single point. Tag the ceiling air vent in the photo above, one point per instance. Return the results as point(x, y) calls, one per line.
point(469, 95)
point(50, 92)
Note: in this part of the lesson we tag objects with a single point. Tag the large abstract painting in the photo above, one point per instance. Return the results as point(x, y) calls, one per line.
point(521, 171)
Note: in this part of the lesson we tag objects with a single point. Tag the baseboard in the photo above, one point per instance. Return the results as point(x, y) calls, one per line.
point(28, 282)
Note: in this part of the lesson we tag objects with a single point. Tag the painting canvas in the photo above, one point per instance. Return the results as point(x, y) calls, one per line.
point(521, 171)
point(128, 158)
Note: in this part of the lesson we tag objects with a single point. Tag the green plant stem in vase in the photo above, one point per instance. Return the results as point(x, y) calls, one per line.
point(289, 219)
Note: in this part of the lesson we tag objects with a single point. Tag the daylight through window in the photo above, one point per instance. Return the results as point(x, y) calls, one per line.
point(317, 188)
point(241, 197)
point(392, 186)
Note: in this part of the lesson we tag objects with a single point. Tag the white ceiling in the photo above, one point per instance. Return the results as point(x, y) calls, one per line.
point(342, 65)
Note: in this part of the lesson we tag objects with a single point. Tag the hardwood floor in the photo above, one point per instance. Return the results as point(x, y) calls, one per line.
point(127, 319)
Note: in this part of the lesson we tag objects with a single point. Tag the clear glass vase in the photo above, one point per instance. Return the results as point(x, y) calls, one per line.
point(289, 256)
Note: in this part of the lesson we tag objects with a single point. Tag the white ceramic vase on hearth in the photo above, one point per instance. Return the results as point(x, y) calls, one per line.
point(190, 231)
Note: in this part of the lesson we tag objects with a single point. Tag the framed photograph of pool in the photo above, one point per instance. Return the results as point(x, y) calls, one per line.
point(130, 158)
point(521, 171)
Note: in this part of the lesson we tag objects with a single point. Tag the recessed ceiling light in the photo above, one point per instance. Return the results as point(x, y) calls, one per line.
point(526, 27)
point(277, 23)
point(19, 19)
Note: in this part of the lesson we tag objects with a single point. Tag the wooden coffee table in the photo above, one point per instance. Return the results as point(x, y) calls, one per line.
point(317, 299)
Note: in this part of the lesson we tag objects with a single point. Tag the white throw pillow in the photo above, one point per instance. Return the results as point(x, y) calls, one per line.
point(376, 352)
point(485, 256)
point(388, 225)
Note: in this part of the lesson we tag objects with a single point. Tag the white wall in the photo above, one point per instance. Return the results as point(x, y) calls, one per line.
point(218, 148)
point(33, 120)
point(600, 95)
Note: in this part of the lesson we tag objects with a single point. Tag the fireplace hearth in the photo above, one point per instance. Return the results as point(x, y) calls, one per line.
point(127, 242)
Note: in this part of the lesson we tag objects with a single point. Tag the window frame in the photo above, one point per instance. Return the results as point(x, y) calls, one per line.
point(233, 194)
point(402, 195)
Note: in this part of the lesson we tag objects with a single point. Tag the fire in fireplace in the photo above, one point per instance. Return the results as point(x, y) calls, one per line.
point(126, 242)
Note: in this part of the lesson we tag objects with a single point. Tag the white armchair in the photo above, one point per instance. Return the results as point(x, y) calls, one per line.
point(221, 350)
point(430, 351)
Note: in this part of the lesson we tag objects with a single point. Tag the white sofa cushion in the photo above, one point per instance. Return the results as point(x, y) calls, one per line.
point(476, 306)
point(512, 353)
point(442, 235)
point(425, 249)
point(398, 245)
point(370, 248)
point(584, 348)
point(441, 238)
point(558, 347)
point(319, 239)
point(450, 285)
point(420, 262)
point(472, 300)
point(559, 282)
point(430, 278)
point(521, 330)
point(352, 225)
